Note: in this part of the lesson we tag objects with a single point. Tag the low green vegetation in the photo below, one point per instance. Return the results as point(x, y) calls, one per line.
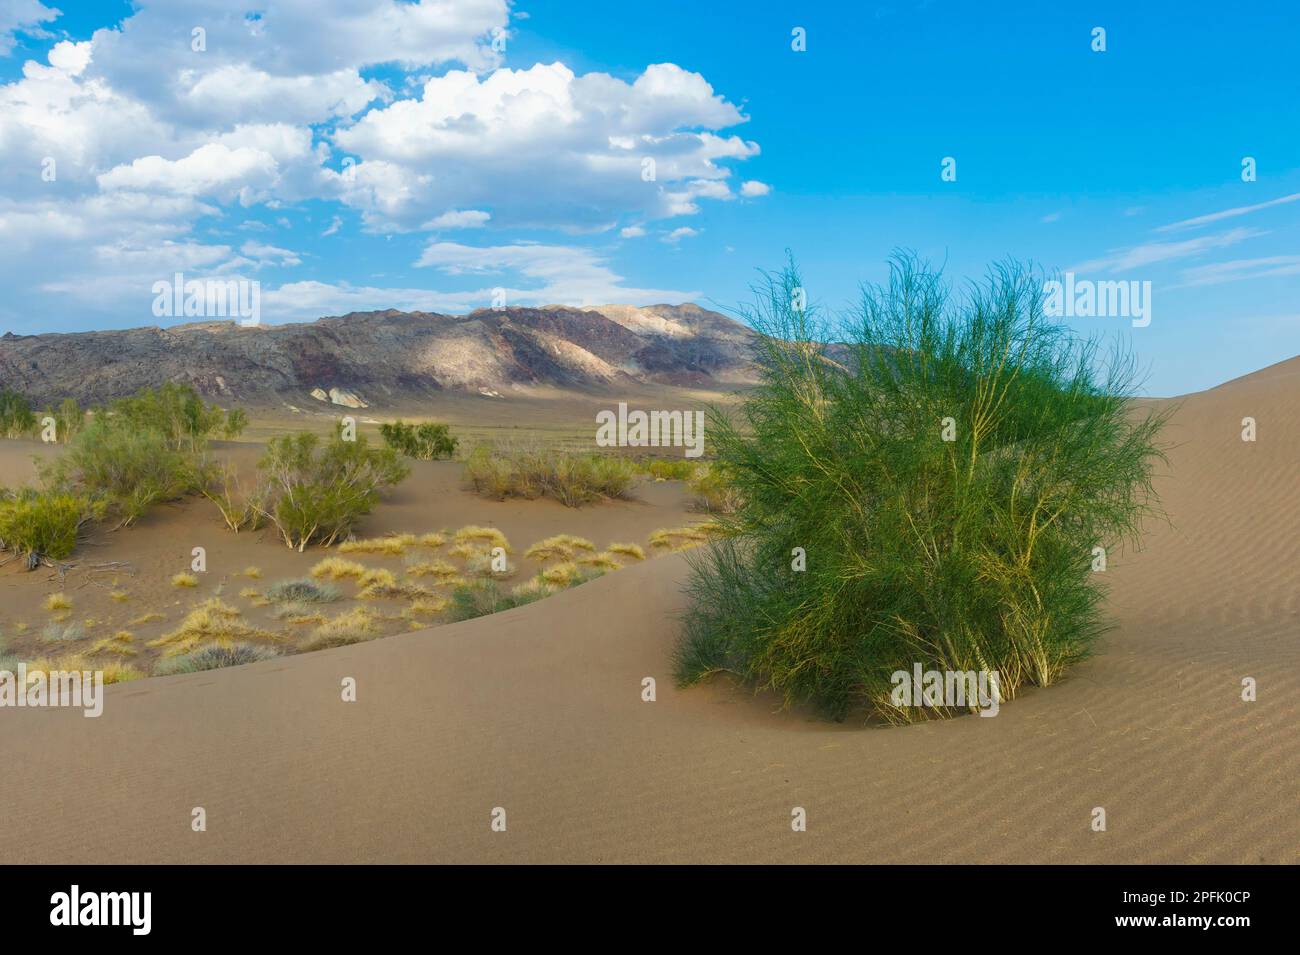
point(529, 472)
point(430, 441)
point(36, 525)
point(317, 489)
point(934, 497)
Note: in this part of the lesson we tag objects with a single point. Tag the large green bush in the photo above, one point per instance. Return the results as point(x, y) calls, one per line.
point(36, 525)
point(316, 490)
point(179, 414)
point(17, 420)
point(967, 554)
point(430, 441)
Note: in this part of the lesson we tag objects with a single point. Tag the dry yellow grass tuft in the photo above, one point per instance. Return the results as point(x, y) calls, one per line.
point(561, 575)
point(210, 622)
point(351, 626)
point(682, 538)
point(627, 550)
point(254, 573)
point(432, 541)
point(59, 601)
point(336, 568)
point(185, 580)
point(120, 596)
point(119, 644)
point(250, 593)
point(439, 570)
point(559, 547)
point(485, 537)
point(394, 545)
point(428, 606)
point(141, 620)
point(602, 561)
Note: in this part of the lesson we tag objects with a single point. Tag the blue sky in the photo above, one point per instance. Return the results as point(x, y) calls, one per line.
point(520, 167)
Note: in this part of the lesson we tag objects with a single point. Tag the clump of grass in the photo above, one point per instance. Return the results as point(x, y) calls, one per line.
point(249, 593)
point(214, 658)
point(210, 622)
point(559, 547)
point(714, 491)
point(298, 613)
point(388, 589)
point(185, 580)
point(394, 545)
point(432, 540)
point(671, 539)
point(120, 644)
point(946, 479)
point(528, 472)
point(488, 565)
point(302, 590)
point(484, 537)
point(602, 561)
point(428, 607)
point(145, 618)
point(439, 570)
point(627, 550)
point(59, 601)
point(668, 469)
point(352, 626)
point(119, 596)
point(253, 573)
point(336, 568)
point(55, 632)
point(484, 597)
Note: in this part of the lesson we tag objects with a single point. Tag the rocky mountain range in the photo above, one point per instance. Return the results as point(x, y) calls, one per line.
point(389, 358)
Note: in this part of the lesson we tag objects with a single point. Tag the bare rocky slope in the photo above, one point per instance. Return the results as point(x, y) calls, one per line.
point(375, 359)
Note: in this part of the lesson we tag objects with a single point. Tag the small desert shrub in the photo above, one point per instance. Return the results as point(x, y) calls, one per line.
point(36, 524)
point(627, 550)
point(58, 601)
point(432, 541)
point(302, 591)
point(424, 442)
point(185, 580)
point(428, 606)
point(214, 658)
point(947, 479)
point(571, 479)
point(317, 490)
point(241, 508)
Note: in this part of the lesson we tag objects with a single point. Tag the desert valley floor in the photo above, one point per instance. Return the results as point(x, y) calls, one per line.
point(538, 710)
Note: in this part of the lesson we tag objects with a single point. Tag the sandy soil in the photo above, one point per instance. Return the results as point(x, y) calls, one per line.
point(539, 711)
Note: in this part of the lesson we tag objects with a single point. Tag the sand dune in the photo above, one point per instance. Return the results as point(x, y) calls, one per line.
point(538, 710)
